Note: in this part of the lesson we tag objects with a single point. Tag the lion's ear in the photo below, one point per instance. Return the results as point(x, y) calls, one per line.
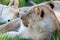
point(14, 3)
point(51, 5)
point(37, 10)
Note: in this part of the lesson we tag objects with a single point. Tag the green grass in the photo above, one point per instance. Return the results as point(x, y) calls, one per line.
point(56, 36)
point(5, 37)
point(21, 4)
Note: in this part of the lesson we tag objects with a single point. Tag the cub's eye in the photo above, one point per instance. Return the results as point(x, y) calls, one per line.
point(42, 13)
point(8, 20)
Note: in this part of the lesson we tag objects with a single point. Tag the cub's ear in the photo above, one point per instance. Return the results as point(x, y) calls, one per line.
point(51, 5)
point(37, 10)
point(14, 3)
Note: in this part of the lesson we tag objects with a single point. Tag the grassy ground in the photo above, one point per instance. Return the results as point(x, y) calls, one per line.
point(22, 3)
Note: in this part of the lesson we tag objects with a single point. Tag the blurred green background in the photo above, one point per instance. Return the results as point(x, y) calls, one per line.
point(22, 2)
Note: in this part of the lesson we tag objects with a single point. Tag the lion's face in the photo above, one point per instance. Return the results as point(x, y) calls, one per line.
point(11, 11)
point(9, 14)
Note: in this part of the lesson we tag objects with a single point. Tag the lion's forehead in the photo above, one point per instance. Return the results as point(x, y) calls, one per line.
point(46, 10)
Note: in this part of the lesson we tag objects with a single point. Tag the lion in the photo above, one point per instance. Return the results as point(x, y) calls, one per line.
point(55, 5)
point(10, 12)
point(37, 21)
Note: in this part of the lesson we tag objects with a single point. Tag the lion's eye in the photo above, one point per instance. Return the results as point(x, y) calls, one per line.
point(8, 20)
point(42, 13)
